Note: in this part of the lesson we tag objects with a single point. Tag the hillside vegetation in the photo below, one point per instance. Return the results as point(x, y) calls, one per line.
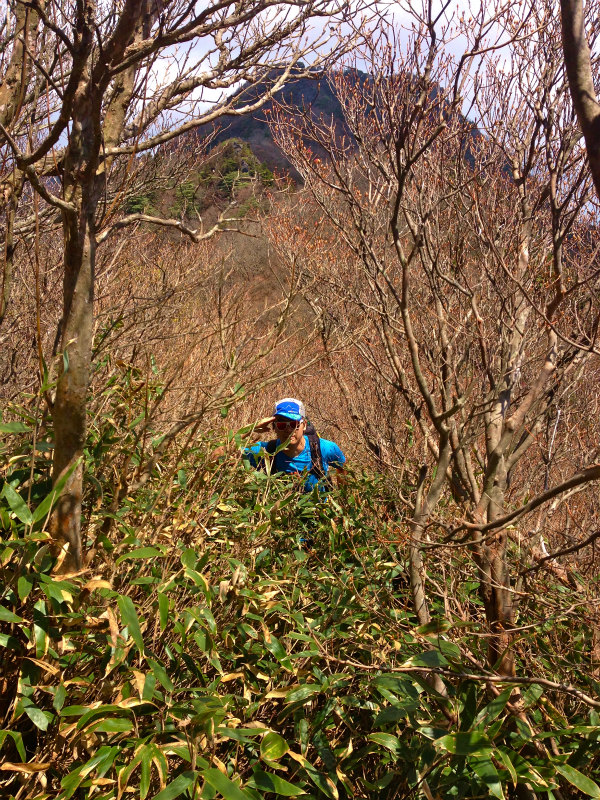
point(408, 245)
point(206, 651)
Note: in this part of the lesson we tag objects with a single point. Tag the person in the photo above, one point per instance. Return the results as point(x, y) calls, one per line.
point(297, 450)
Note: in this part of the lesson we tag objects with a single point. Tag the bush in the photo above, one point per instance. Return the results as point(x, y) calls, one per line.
point(234, 637)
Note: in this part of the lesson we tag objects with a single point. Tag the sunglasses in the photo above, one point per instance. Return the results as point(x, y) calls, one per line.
point(286, 424)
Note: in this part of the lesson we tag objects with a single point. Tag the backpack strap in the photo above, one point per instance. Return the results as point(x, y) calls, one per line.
point(271, 446)
point(316, 457)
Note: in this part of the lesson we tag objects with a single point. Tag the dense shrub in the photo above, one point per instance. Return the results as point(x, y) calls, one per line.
point(232, 637)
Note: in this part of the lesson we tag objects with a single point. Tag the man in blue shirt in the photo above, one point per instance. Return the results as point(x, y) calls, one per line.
point(297, 449)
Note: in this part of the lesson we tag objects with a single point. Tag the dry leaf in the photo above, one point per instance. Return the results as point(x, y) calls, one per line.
point(26, 769)
point(231, 676)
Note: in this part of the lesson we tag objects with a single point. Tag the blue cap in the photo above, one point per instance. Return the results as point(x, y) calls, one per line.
point(291, 408)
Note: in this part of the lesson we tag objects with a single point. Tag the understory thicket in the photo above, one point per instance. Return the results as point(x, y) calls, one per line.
point(231, 637)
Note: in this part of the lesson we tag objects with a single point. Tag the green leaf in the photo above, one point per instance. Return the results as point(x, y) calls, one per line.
point(577, 779)
point(189, 558)
point(439, 625)
point(14, 427)
point(502, 756)
point(17, 739)
point(177, 787)
point(303, 692)
point(140, 552)
point(24, 586)
point(145, 772)
point(163, 610)
point(223, 785)
point(273, 747)
point(275, 647)
point(10, 642)
point(8, 616)
point(130, 618)
point(160, 673)
point(112, 725)
point(17, 505)
point(268, 782)
point(431, 658)
point(322, 782)
point(464, 743)
point(37, 716)
point(48, 502)
point(60, 695)
point(74, 711)
point(386, 740)
point(495, 708)
point(487, 772)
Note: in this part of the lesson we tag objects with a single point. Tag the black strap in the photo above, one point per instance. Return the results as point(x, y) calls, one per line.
point(271, 446)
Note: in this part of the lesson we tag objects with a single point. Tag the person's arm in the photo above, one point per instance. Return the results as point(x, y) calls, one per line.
point(336, 460)
point(262, 426)
point(341, 476)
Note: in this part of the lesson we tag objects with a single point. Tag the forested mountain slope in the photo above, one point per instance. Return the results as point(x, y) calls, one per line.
point(428, 629)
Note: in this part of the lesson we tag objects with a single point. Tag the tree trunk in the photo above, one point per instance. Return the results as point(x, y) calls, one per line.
point(70, 404)
point(497, 600)
point(495, 591)
point(69, 413)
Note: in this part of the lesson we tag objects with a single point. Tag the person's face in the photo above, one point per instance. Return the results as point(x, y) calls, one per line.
point(289, 429)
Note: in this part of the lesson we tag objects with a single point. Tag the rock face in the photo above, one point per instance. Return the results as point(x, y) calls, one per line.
point(303, 93)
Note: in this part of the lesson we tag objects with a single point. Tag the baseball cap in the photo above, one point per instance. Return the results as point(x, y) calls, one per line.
point(289, 407)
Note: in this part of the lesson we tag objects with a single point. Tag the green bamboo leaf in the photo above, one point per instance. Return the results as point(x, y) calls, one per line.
point(14, 427)
point(431, 658)
point(8, 616)
point(487, 772)
point(74, 711)
point(223, 785)
point(10, 642)
point(24, 586)
point(303, 692)
point(17, 505)
point(161, 675)
point(495, 708)
point(130, 618)
point(577, 779)
point(273, 747)
point(386, 740)
point(177, 787)
point(509, 766)
point(163, 610)
point(275, 647)
point(322, 782)
point(140, 552)
point(96, 714)
point(59, 697)
point(145, 772)
point(112, 725)
point(189, 558)
point(44, 508)
point(268, 782)
point(37, 716)
point(17, 739)
point(464, 743)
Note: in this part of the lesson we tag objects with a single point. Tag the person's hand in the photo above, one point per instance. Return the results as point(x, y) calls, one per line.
point(264, 425)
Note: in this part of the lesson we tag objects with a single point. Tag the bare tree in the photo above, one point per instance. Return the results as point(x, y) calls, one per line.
point(87, 87)
point(469, 269)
